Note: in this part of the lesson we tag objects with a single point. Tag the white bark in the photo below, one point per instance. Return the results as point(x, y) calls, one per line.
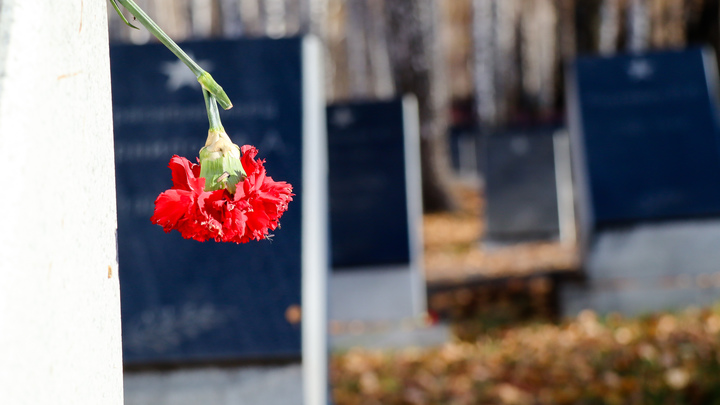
point(638, 26)
point(609, 27)
point(485, 61)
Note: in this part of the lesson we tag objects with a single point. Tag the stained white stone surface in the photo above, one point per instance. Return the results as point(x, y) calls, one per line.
point(59, 294)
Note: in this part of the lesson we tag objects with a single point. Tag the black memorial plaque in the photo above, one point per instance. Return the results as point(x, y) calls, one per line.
point(520, 185)
point(185, 301)
point(646, 134)
point(367, 184)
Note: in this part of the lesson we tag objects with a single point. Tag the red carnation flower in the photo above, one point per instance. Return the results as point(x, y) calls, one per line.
point(248, 214)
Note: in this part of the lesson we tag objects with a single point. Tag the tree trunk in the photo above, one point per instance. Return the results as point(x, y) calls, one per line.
point(417, 69)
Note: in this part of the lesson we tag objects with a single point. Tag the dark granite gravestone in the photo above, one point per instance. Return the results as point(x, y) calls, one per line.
point(190, 302)
point(368, 198)
point(644, 132)
point(375, 210)
point(520, 185)
point(646, 135)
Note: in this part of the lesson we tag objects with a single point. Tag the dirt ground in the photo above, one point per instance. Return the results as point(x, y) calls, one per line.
point(455, 254)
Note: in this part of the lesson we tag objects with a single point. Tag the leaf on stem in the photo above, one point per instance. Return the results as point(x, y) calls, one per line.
point(117, 9)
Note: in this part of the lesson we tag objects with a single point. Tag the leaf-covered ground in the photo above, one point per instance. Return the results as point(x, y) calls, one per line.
point(454, 252)
point(509, 348)
point(658, 359)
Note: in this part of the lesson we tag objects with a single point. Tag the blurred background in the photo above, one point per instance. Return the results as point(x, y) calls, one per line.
point(489, 78)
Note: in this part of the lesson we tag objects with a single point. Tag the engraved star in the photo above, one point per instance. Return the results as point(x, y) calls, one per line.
point(180, 76)
point(640, 69)
point(343, 117)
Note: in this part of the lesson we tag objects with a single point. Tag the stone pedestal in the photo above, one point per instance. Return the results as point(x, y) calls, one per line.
point(262, 385)
point(649, 267)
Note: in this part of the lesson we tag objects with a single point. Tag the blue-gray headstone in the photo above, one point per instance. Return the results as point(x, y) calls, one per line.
point(375, 207)
point(520, 185)
point(185, 301)
point(646, 135)
point(368, 192)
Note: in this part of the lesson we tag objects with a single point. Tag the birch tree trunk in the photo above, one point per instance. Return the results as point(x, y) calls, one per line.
point(638, 21)
point(485, 63)
point(357, 49)
point(379, 57)
point(539, 20)
point(609, 27)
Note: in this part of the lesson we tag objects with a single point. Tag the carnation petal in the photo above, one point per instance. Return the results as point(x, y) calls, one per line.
point(170, 207)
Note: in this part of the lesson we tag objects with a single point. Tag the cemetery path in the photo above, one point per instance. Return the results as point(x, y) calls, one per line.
point(455, 254)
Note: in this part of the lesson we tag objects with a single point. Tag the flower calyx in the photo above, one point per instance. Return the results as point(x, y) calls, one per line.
point(220, 163)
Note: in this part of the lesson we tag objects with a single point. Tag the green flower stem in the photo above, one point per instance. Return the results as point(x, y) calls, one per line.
point(204, 77)
point(212, 112)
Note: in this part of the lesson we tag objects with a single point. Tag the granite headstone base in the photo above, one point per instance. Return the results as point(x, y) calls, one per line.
point(648, 267)
point(261, 385)
point(381, 293)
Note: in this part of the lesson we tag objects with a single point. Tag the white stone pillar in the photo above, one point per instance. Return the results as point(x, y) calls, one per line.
point(59, 292)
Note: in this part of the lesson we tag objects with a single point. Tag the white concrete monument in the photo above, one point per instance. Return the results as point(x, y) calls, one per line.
point(59, 294)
